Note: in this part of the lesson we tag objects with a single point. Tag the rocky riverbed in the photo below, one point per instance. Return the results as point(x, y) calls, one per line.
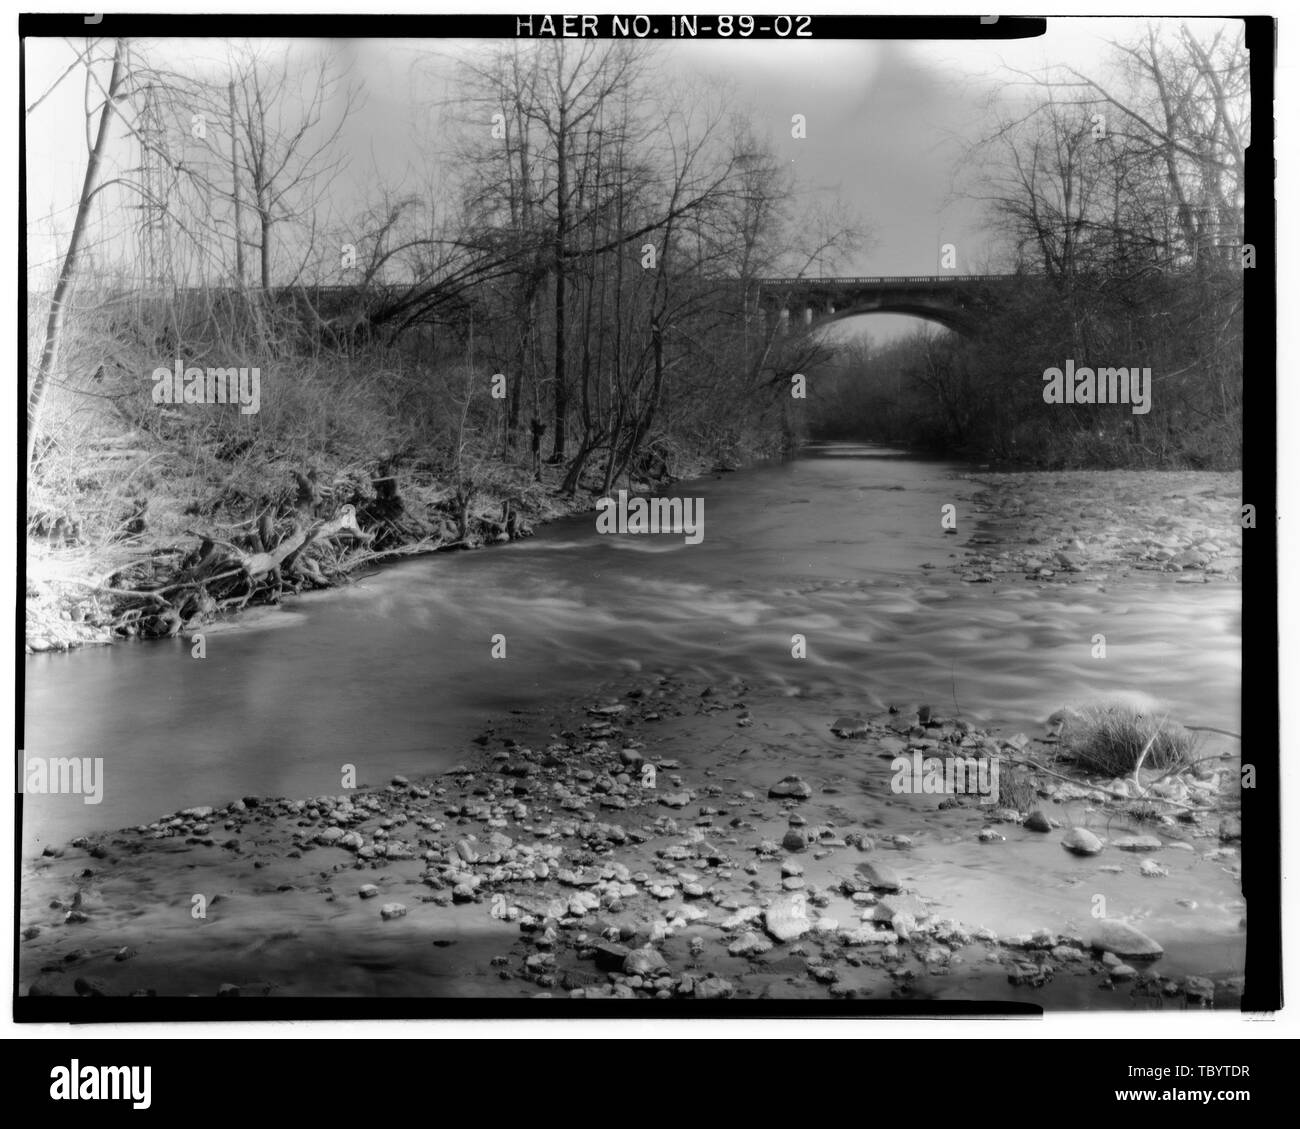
point(667, 840)
point(1069, 526)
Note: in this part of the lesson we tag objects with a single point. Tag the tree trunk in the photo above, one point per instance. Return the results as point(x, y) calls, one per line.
point(67, 276)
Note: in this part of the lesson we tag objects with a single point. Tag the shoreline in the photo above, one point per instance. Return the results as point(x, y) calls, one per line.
point(765, 860)
point(63, 612)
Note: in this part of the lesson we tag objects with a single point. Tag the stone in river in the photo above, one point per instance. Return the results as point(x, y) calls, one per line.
point(1037, 821)
point(749, 944)
point(391, 910)
point(787, 918)
point(892, 904)
point(849, 727)
point(1123, 940)
point(790, 787)
point(645, 962)
point(880, 876)
point(1138, 843)
point(742, 917)
point(794, 840)
point(611, 957)
point(714, 988)
point(1199, 989)
point(1081, 841)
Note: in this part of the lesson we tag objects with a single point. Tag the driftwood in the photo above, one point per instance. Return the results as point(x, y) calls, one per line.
point(213, 581)
point(260, 564)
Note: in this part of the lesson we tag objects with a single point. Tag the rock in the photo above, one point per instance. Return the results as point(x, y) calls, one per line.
point(1138, 843)
point(880, 876)
point(988, 835)
point(1037, 821)
point(742, 917)
point(849, 727)
point(868, 936)
point(368, 891)
point(714, 988)
point(611, 957)
point(1152, 869)
point(85, 986)
point(675, 799)
point(329, 836)
point(787, 918)
point(391, 910)
point(646, 962)
point(1123, 940)
point(794, 840)
point(749, 944)
point(1123, 972)
point(892, 904)
point(1081, 841)
point(1199, 990)
point(228, 990)
point(790, 787)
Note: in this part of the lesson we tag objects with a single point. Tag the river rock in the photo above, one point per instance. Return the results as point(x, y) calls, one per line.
point(645, 962)
point(369, 890)
point(849, 727)
point(749, 944)
point(611, 957)
point(714, 988)
point(1037, 821)
point(391, 910)
point(790, 787)
point(786, 919)
point(795, 840)
point(1138, 843)
point(880, 876)
point(1199, 990)
point(892, 904)
point(742, 917)
point(1124, 940)
point(1081, 841)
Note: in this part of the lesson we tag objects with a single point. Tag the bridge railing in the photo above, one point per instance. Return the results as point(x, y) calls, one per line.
point(870, 280)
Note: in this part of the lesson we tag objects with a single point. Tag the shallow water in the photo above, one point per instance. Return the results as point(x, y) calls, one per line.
point(395, 673)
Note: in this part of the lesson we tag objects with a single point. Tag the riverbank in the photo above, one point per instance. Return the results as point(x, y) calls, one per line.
point(76, 594)
point(1069, 526)
point(665, 840)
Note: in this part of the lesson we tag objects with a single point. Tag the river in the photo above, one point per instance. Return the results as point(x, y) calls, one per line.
point(396, 672)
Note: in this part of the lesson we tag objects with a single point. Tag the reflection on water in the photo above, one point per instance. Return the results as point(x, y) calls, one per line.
point(395, 672)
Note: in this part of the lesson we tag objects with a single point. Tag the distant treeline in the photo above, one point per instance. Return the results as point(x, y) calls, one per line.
point(1121, 204)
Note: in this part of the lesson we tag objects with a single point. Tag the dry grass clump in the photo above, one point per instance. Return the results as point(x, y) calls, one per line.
point(1111, 740)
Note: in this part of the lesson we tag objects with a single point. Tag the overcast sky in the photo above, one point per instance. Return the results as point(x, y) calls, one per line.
point(886, 123)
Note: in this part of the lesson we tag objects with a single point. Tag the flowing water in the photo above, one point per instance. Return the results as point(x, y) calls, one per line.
point(396, 672)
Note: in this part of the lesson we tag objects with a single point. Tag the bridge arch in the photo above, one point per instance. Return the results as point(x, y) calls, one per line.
point(957, 320)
